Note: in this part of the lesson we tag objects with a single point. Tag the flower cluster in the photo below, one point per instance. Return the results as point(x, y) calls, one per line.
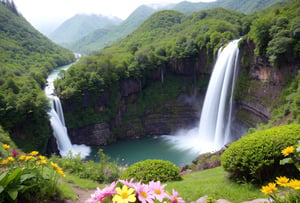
point(130, 191)
point(28, 160)
point(281, 181)
point(292, 154)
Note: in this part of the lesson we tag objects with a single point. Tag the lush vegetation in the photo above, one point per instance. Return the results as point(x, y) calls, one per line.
point(152, 170)
point(256, 157)
point(27, 177)
point(166, 37)
point(103, 171)
point(26, 58)
point(276, 33)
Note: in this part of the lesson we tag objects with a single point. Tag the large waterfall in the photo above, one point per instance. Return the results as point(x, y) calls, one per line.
point(65, 147)
point(213, 131)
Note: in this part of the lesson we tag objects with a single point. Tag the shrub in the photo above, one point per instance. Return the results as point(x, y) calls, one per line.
point(256, 157)
point(102, 172)
point(152, 170)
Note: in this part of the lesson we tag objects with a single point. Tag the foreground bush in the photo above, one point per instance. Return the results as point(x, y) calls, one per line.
point(256, 157)
point(152, 170)
point(27, 177)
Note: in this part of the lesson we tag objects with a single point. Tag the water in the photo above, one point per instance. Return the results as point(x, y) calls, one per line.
point(57, 121)
point(131, 151)
point(214, 131)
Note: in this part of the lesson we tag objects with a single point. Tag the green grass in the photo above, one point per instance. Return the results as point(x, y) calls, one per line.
point(213, 183)
point(66, 191)
point(81, 183)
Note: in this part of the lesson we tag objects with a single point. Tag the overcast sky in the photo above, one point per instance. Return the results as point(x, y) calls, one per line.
point(39, 12)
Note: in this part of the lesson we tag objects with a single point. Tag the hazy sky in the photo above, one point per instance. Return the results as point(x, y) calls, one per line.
point(38, 12)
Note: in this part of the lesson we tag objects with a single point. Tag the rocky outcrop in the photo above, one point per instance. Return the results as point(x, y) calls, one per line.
point(94, 135)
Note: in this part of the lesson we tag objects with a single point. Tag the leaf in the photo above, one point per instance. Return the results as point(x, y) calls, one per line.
point(286, 161)
point(26, 177)
point(13, 193)
point(15, 175)
point(1, 188)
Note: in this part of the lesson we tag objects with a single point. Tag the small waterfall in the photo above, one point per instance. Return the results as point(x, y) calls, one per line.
point(213, 131)
point(57, 121)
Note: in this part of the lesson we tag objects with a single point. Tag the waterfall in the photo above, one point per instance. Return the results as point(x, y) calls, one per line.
point(214, 126)
point(213, 131)
point(57, 121)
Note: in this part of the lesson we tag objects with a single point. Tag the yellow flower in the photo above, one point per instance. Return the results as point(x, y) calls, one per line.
point(60, 172)
point(22, 157)
point(4, 162)
point(282, 181)
point(42, 162)
point(124, 195)
point(6, 146)
point(34, 153)
point(268, 189)
point(294, 184)
point(287, 151)
point(28, 158)
point(10, 159)
point(42, 157)
point(54, 165)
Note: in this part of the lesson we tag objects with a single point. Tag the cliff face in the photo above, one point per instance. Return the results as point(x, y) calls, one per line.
point(258, 89)
point(262, 86)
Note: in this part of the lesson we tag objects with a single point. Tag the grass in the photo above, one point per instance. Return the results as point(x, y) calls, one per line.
point(82, 183)
point(213, 183)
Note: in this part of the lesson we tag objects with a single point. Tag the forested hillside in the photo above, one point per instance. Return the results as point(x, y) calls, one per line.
point(98, 39)
point(244, 6)
point(26, 58)
point(163, 43)
point(166, 37)
point(80, 25)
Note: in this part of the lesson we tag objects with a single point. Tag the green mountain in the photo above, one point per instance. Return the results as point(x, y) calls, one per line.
point(97, 41)
point(244, 6)
point(26, 58)
point(80, 25)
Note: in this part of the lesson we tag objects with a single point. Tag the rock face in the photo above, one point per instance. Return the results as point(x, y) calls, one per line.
point(264, 86)
point(94, 135)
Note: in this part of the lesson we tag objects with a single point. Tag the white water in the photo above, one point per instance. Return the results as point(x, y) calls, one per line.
point(213, 131)
point(65, 147)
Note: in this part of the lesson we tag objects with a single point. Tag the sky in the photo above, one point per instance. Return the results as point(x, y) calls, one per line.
point(52, 12)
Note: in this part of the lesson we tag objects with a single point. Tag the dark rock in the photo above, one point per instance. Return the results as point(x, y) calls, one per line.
point(130, 86)
point(94, 135)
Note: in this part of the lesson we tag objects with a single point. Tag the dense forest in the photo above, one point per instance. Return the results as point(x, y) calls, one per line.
point(168, 37)
point(26, 58)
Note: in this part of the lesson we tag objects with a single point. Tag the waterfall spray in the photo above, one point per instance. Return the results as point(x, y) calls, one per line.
point(213, 131)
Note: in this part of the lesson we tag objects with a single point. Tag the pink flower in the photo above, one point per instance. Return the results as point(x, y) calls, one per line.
point(144, 193)
point(99, 195)
point(14, 153)
point(175, 198)
point(129, 183)
point(158, 190)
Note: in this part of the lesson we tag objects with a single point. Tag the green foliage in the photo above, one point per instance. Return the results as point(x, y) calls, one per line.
point(256, 156)
point(26, 57)
point(103, 171)
point(167, 37)
point(274, 33)
point(152, 170)
point(27, 177)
